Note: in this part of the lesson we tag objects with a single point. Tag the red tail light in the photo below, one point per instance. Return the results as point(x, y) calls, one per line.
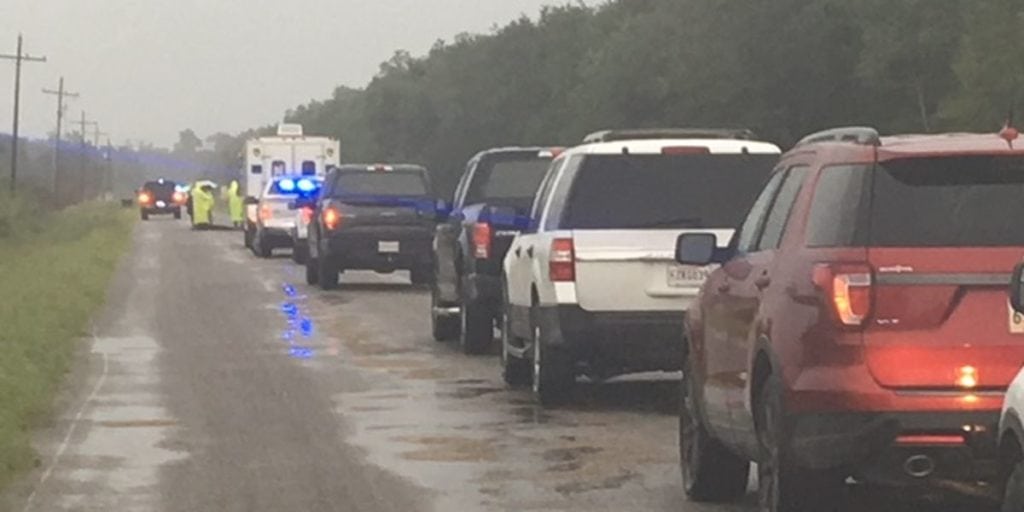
point(179, 197)
point(266, 212)
point(685, 150)
point(483, 236)
point(331, 218)
point(848, 288)
point(145, 198)
point(307, 215)
point(562, 260)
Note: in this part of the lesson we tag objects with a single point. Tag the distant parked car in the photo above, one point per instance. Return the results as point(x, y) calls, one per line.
point(858, 324)
point(372, 217)
point(591, 285)
point(494, 193)
point(160, 197)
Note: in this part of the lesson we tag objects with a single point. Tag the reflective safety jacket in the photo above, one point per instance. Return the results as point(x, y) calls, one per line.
point(235, 204)
point(202, 206)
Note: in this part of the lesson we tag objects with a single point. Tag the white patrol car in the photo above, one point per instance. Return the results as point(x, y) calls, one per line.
point(592, 288)
point(276, 211)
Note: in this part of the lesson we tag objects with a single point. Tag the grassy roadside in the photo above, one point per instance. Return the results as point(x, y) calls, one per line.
point(54, 271)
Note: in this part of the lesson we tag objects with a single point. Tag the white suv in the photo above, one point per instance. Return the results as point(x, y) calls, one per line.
point(592, 287)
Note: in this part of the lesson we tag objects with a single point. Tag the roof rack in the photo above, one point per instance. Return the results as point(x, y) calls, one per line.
point(669, 133)
point(861, 135)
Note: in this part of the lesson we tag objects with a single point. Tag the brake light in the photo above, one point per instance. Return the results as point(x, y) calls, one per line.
point(266, 212)
point(179, 197)
point(145, 198)
point(562, 260)
point(685, 150)
point(331, 218)
point(930, 440)
point(482, 238)
point(307, 215)
point(849, 289)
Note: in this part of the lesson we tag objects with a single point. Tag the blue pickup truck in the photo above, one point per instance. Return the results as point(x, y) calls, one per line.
point(490, 207)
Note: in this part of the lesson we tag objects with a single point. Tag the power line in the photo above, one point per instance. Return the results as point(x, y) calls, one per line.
point(61, 93)
point(82, 124)
point(18, 58)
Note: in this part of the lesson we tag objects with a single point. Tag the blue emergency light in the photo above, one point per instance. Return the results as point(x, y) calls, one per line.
point(286, 185)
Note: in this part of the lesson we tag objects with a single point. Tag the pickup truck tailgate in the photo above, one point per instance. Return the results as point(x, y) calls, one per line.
point(635, 270)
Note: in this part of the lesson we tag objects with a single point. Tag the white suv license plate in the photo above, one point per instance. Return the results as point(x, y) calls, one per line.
point(389, 247)
point(685, 277)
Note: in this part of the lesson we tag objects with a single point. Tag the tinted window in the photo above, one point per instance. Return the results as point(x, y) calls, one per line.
point(563, 183)
point(837, 198)
point(308, 168)
point(751, 228)
point(663, 191)
point(508, 180)
point(395, 183)
point(775, 225)
point(278, 168)
point(160, 190)
point(948, 202)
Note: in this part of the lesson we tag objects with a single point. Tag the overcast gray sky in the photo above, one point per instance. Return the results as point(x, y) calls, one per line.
point(149, 68)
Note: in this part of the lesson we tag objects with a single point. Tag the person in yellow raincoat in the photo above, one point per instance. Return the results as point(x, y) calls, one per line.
point(203, 201)
point(236, 204)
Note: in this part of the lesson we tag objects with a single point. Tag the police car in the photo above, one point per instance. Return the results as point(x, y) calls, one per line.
point(276, 215)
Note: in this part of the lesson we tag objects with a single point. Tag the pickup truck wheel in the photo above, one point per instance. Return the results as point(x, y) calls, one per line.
point(515, 370)
point(177, 214)
point(782, 487)
point(144, 215)
point(247, 236)
point(553, 376)
point(711, 473)
point(444, 327)
point(300, 252)
point(312, 274)
point(477, 328)
point(327, 272)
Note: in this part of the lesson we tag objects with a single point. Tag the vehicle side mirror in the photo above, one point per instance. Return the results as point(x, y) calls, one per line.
point(250, 200)
point(696, 249)
point(442, 210)
point(1017, 288)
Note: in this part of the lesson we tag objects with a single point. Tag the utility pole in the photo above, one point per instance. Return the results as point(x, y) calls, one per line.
point(18, 58)
point(83, 157)
point(61, 93)
point(100, 171)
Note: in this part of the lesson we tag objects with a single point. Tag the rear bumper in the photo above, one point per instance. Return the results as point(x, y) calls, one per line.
point(614, 343)
point(867, 444)
point(360, 248)
point(154, 210)
point(275, 237)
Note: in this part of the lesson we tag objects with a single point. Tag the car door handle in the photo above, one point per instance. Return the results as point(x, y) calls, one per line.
point(762, 282)
point(529, 251)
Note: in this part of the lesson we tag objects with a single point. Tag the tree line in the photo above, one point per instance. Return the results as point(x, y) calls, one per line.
point(782, 68)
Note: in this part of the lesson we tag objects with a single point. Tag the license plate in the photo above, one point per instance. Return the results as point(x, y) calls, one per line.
point(388, 247)
point(1016, 321)
point(682, 277)
point(160, 204)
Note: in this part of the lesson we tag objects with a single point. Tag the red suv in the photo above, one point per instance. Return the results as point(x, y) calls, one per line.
point(858, 325)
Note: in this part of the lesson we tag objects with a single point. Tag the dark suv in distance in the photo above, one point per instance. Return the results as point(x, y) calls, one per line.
point(491, 202)
point(858, 325)
point(372, 217)
point(160, 197)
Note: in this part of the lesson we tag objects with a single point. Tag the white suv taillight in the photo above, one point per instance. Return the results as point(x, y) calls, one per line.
point(562, 260)
point(482, 238)
point(849, 289)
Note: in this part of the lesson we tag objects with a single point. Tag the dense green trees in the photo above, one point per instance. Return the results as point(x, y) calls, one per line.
point(783, 68)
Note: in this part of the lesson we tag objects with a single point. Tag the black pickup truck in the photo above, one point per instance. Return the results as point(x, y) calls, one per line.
point(490, 208)
point(372, 217)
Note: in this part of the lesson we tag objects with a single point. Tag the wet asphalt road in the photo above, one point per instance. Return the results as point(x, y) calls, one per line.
point(216, 381)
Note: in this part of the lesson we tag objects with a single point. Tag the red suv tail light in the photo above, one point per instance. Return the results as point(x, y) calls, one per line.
point(482, 238)
point(331, 217)
point(848, 289)
point(562, 260)
point(145, 198)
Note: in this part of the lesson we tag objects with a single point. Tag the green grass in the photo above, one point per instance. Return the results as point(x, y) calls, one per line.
point(54, 272)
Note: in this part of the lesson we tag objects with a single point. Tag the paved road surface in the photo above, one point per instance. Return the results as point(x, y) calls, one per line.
point(216, 381)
